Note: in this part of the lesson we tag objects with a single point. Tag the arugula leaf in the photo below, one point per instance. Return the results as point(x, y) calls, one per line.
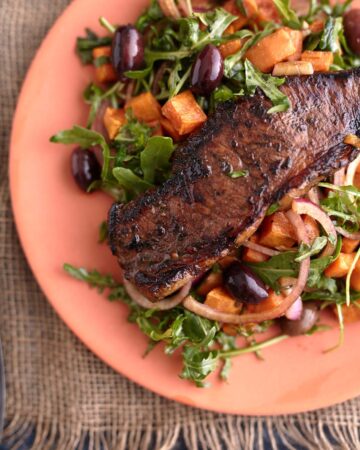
point(155, 158)
point(93, 278)
point(329, 40)
point(269, 85)
point(103, 232)
point(132, 183)
point(199, 364)
point(85, 45)
point(94, 96)
point(288, 15)
point(152, 14)
point(238, 173)
point(85, 138)
point(309, 250)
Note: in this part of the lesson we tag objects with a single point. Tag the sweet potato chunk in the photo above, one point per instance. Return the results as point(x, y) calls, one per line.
point(230, 47)
point(297, 38)
point(321, 61)
point(104, 73)
point(292, 68)
point(220, 300)
point(145, 107)
point(311, 227)
point(340, 267)
point(113, 119)
point(251, 10)
point(271, 302)
point(184, 113)
point(277, 231)
point(271, 50)
point(169, 129)
point(349, 245)
point(250, 255)
point(317, 26)
point(212, 281)
point(355, 279)
point(350, 313)
point(267, 11)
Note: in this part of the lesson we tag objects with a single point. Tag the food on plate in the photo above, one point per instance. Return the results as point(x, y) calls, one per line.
point(170, 235)
point(228, 135)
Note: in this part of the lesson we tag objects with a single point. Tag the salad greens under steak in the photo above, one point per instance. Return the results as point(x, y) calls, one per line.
point(140, 71)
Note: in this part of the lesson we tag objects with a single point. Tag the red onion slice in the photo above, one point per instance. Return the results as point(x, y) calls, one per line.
point(169, 8)
point(350, 172)
point(295, 310)
point(314, 195)
point(260, 248)
point(205, 311)
point(347, 234)
point(339, 177)
point(162, 305)
point(304, 206)
point(185, 7)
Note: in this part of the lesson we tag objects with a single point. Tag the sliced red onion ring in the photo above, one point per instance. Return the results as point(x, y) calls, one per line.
point(350, 172)
point(170, 9)
point(260, 248)
point(205, 311)
point(304, 206)
point(354, 236)
point(314, 195)
point(339, 177)
point(295, 310)
point(185, 7)
point(162, 305)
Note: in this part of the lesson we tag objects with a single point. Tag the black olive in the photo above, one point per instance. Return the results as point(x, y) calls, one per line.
point(309, 316)
point(85, 168)
point(207, 71)
point(352, 29)
point(243, 284)
point(127, 51)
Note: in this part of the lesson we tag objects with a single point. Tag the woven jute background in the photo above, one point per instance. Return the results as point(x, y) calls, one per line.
point(55, 386)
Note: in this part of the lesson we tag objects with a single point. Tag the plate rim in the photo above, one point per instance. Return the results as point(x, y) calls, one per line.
point(186, 401)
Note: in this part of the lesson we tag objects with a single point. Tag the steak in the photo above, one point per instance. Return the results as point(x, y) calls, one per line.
point(173, 233)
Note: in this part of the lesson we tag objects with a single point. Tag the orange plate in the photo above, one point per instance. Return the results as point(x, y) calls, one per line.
point(57, 224)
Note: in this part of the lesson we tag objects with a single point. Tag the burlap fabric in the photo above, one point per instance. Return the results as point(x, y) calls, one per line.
point(55, 385)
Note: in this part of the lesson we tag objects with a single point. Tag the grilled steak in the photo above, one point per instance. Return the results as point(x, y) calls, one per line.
point(173, 233)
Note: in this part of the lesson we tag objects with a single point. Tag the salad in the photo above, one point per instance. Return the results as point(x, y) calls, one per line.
point(156, 82)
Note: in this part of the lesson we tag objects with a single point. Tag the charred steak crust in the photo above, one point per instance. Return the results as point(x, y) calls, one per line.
point(173, 233)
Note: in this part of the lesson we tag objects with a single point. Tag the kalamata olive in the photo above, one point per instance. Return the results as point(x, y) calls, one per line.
point(243, 284)
point(127, 51)
point(310, 315)
point(207, 71)
point(352, 29)
point(85, 168)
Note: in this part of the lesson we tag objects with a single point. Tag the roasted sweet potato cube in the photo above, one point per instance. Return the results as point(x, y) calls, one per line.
point(277, 231)
point(311, 227)
point(114, 119)
point(340, 267)
point(289, 68)
point(230, 47)
point(156, 128)
point(321, 61)
point(349, 245)
point(355, 279)
point(212, 281)
point(220, 300)
point(350, 313)
point(317, 26)
point(267, 11)
point(184, 113)
point(271, 302)
point(297, 38)
point(104, 73)
point(229, 329)
point(145, 107)
point(250, 255)
point(272, 49)
point(169, 129)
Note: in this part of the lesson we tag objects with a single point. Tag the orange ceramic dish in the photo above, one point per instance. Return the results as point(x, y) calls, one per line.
point(57, 223)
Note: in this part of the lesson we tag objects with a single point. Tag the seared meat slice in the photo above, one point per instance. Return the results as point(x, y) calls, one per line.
point(171, 234)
